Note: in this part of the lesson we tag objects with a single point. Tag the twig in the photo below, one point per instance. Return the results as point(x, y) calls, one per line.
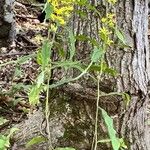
point(25, 17)
point(27, 40)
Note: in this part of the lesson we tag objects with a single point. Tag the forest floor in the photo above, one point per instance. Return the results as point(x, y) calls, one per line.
point(16, 76)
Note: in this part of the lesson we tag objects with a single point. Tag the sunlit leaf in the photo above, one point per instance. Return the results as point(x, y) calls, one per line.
point(3, 121)
point(97, 54)
point(24, 59)
point(45, 53)
point(62, 53)
point(18, 72)
point(39, 57)
point(110, 71)
point(48, 10)
point(111, 131)
point(35, 140)
point(4, 142)
point(69, 64)
point(40, 79)
point(12, 131)
point(122, 144)
point(126, 98)
point(120, 36)
point(34, 95)
point(82, 37)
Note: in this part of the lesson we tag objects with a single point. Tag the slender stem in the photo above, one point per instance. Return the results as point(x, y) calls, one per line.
point(95, 139)
point(47, 110)
point(47, 114)
point(96, 118)
point(71, 79)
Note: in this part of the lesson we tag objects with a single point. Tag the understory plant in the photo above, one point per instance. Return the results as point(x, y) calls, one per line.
point(58, 12)
point(5, 138)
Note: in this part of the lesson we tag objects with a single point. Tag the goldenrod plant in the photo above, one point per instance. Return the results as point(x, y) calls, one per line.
point(59, 11)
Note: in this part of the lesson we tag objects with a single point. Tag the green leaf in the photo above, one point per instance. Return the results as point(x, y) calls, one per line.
point(39, 57)
point(66, 148)
point(34, 95)
point(95, 68)
point(120, 36)
point(12, 130)
point(72, 41)
point(111, 131)
point(82, 2)
point(24, 59)
point(3, 121)
point(45, 53)
point(126, 98)
point(4, 142)
point(40, 79)
point(62, 53)
point(110, 71)
point(122, 144)
point(16, 101)
point(18, 72)
point(82, 37)
point(97, 54)
point(35, 140)
point(48, 10)
point(20, 86)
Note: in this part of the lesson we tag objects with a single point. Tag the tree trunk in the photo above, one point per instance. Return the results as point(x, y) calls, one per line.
point(132, 17)
point(6, 22)
point(131, 63)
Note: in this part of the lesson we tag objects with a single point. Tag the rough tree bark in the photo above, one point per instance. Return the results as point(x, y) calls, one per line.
point(132, 64)
point(134, 69)
point(6, 22)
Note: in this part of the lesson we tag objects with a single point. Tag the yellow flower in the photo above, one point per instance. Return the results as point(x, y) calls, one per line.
point(53, 27)
point(112, 1)
point(61, 10)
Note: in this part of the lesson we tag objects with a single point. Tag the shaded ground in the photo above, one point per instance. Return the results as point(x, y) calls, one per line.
point(15, 77)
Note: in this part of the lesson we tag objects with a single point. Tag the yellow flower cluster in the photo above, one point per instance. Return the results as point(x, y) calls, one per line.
point(112, 1)
point(108, 25)
point(61, 10)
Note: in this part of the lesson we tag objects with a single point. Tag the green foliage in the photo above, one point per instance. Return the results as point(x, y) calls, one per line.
point(19, 61)
point(116, 142)
point(58, 12)
point(120, 36)
point(34, 95)
point(112, 133)
point(3, 121)
point(97, 54)
point(126, 98)
point(49, 8)
point(4, 142)
point(5, 139)
point(35, 140)
point(45, 54)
